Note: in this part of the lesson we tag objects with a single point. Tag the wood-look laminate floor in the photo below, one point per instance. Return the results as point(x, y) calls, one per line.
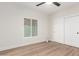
point(43, 49)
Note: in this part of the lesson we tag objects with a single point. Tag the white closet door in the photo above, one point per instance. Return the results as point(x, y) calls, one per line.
point(72, 31)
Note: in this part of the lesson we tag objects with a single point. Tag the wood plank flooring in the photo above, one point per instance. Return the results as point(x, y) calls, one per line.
point(42, 49)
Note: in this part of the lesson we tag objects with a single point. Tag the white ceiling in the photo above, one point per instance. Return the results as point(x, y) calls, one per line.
point(48, 8)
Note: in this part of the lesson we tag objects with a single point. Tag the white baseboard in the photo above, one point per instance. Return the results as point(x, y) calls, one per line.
point(65, 43)
point(19, 45)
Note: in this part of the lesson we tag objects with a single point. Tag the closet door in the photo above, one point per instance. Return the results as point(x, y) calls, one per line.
point(72, 31)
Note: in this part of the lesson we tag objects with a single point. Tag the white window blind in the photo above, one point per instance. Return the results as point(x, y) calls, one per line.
point(30, 27)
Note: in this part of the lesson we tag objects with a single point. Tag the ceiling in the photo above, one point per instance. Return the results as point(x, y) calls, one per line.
point(48, 8)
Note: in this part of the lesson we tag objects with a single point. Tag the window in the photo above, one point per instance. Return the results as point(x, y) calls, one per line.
point(34, 27)
point(30, 27)
point(27, 27)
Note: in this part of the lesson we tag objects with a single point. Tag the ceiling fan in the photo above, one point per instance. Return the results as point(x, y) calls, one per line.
point(55, 3)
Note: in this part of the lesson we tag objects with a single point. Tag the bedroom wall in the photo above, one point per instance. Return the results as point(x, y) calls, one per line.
point(57, 22)
point(12, 26)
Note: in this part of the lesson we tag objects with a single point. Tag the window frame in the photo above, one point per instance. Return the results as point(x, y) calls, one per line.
point(31, 28)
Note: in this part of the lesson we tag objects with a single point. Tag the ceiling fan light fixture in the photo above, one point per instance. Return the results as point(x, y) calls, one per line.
point(48, 2)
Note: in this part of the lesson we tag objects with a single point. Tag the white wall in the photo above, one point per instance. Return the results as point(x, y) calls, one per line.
point(57, 22)
point(12, 26)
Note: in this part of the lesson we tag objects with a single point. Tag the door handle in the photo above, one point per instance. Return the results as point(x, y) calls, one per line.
point(77, 33)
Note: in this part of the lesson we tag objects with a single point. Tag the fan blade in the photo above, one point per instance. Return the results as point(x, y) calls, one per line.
point(40, 3)
point(56, 3)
